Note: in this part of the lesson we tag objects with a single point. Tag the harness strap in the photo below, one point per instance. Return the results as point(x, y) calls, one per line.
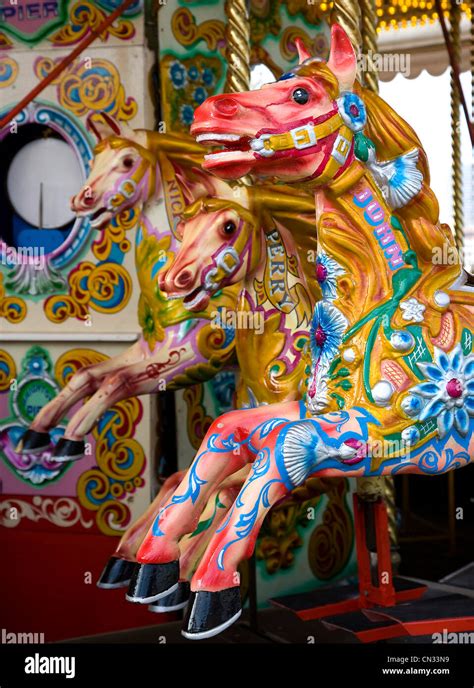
point(301, 137)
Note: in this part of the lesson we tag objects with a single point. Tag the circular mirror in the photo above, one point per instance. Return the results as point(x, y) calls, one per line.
point(41, 179)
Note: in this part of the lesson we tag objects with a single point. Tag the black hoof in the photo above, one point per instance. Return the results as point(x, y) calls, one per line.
point(117, 574)
point(210, 613)
point(151, 582)
point(33, 442)
point(174, 601)
point(68, 450)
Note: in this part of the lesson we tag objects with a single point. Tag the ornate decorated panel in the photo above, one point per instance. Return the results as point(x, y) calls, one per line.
point(57, 271)
point(67, 290)
point(109, 486)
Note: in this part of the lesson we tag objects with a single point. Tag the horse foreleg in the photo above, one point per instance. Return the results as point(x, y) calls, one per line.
point(118, 570)
point(286, 457)
point(227, 447)
point(215, 599)
point(84, 382)
point(193, 545)
point(133, 380)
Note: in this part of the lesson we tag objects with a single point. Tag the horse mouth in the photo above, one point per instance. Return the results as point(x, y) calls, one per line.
point(230, 150)
point(100, 218)
point(197, 299)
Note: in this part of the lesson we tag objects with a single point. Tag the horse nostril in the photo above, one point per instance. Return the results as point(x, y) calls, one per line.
point(184, 278)
point(89, 200)
point(226, 106)
point(162, 280)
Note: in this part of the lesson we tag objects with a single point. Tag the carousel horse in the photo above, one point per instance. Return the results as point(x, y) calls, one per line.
point(391, 388)
point(264, 243)
point(274, 305)
point(134, 170)
point(270, 322)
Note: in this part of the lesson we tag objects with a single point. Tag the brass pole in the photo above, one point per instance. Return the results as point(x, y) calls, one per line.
point(238, 46)
point(455, 35)
point(369, 42)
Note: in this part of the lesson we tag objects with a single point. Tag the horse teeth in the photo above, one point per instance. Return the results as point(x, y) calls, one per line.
point(217, 137)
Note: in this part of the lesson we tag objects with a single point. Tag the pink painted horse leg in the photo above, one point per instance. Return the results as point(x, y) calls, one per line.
point(117, 571)
point(194, 544)
point(228, 446)
point(83, 383)
point(338, 444)
point(235, 540)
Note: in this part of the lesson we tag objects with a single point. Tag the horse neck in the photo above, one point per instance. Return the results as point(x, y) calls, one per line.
point(355, 229)
point(280, 301)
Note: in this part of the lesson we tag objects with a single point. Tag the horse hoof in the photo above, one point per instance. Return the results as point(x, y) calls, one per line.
point(210, 613)
point(151, 582)
point(116, 574)
point(33, 442)
point(68, 450)
point(174, 601)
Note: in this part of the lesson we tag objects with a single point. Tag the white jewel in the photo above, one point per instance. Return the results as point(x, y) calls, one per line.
point(349, 355)
point(441, 299)
point(382, 392)
point(402, 340)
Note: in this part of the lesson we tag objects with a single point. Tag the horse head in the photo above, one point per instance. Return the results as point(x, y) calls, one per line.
point(307, 117)
point(219, 247)
point(122, 174)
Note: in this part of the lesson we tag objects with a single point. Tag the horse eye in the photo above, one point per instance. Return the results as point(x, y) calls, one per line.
point(128, 163)
point(300, 96)
point(229, 227)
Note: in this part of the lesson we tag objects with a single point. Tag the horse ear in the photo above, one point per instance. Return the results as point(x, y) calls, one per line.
point(342, 59)
point(103, 125)
point(303, 52)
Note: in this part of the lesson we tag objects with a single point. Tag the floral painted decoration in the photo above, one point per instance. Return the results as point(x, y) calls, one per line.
point(412, 310)
point(448, 392)
point(327, 272)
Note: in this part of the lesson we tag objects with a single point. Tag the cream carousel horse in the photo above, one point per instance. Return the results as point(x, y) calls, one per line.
point(391, 389)
point(138, 169)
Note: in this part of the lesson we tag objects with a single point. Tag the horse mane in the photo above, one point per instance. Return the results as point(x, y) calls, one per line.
point(294, 210)
point(392, 137)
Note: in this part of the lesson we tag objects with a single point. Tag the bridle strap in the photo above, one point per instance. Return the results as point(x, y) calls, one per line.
point(301, 137)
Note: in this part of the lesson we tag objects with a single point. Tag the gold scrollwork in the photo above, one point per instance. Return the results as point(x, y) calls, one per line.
point(120, 457)
point(84, 17)
point(331, 542)
point(115, 235)
point(8, 71)
point(186, 32)
point(7, 370)
point(317, 46)
point(87, 86)
point(198, 422)
point(12, 308)
point(104, 288)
